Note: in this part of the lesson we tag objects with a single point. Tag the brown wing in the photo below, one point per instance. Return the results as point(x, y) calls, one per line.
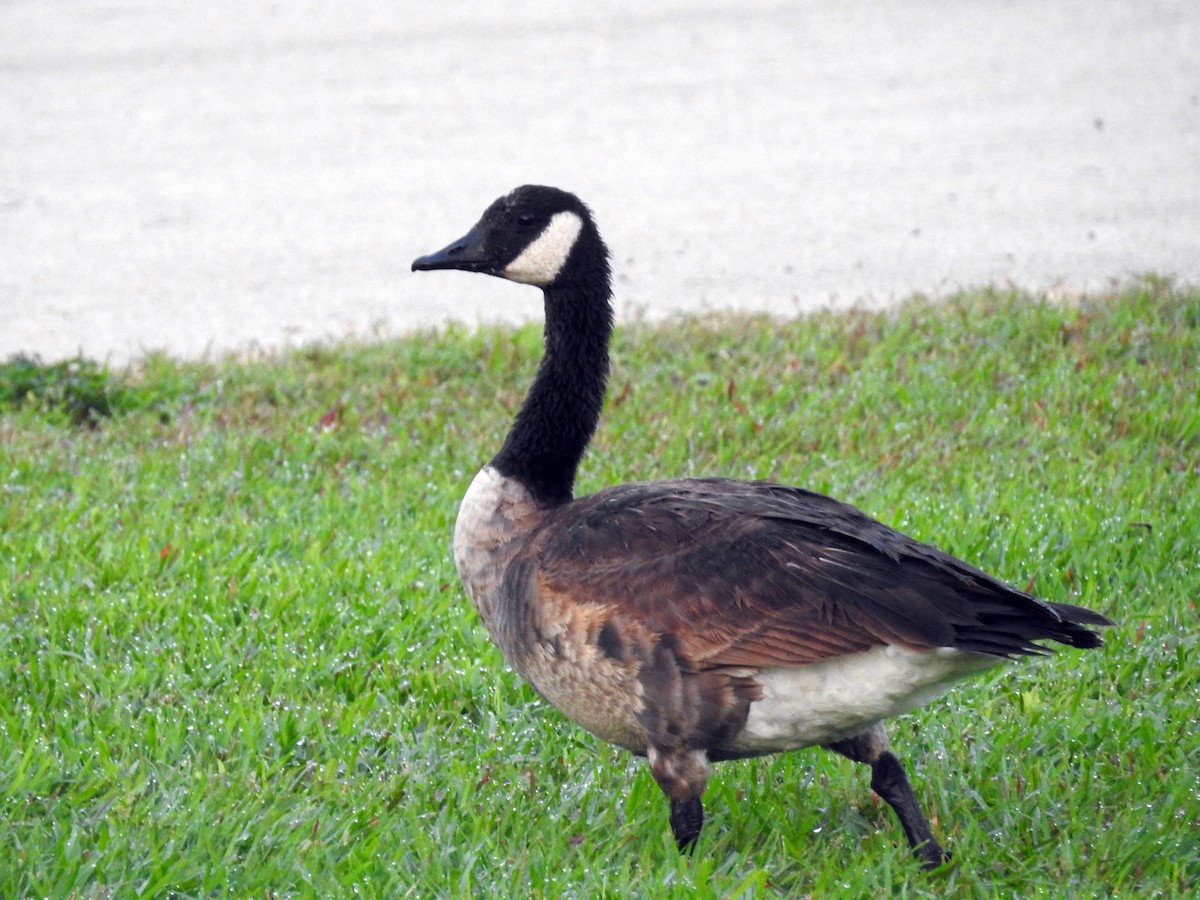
point(752, 573)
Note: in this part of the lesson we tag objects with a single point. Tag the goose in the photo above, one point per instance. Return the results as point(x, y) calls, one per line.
point(695, 620)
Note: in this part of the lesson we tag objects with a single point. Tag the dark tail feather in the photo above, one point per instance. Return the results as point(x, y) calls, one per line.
point(1073, 619)
point(1081, 615)
point(1009, 623)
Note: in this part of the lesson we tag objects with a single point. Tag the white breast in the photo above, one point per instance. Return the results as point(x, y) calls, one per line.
point(496, 514)
point(836, 698)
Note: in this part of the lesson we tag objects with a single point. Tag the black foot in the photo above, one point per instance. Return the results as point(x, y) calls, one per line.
point(682, 775)
point(687, 818)
point(889, 782)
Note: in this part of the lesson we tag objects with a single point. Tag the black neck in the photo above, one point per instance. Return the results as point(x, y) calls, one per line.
point(563, 405)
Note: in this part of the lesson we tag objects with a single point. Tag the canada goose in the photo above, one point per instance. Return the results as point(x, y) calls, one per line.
point(703, 619)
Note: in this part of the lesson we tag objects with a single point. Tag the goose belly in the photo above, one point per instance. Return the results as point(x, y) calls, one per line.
point(550, 641)
point(594, 691)
point(833, 699)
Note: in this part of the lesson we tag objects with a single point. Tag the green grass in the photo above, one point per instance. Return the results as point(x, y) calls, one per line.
point(236, 660)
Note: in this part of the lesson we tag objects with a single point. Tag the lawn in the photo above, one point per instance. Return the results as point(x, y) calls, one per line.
point(236, 660)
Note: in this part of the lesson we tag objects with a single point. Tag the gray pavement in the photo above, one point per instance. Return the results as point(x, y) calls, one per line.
point(205, 177)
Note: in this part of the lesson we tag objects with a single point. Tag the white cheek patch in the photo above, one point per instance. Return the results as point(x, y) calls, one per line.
point(542, 260)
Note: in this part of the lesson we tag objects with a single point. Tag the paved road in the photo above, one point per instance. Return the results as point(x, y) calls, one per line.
point(200, 177)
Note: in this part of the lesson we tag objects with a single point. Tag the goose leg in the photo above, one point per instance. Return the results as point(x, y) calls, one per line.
point(687, 818)
point(683, 775)
point(890, 782)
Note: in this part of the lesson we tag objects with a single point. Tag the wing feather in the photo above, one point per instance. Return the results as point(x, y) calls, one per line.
point(759, 574)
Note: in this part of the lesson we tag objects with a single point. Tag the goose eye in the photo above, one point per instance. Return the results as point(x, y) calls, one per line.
point(526, 218)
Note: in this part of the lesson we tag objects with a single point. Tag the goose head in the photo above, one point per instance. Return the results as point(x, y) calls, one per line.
point(533, 235)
